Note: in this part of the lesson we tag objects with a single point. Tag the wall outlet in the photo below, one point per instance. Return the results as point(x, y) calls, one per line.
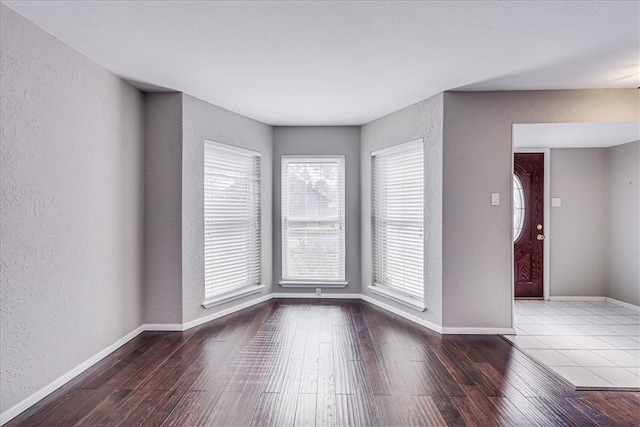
point(318, 292)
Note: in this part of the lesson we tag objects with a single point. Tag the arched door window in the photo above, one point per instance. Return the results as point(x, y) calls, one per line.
point(518, 207)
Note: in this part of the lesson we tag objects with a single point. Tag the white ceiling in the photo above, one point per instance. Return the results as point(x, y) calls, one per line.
point(347, 63)
point(575, 135)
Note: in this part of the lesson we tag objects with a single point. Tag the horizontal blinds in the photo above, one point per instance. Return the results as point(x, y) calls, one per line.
point(398, 218)
point(313, 218)
point(231, 218)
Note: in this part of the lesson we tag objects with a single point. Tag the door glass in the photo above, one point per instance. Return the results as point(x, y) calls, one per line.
point(518, 207)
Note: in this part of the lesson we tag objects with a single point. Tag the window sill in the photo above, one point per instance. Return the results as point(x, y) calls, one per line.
point(414, 303)
point(221, 299)
point(312, 284)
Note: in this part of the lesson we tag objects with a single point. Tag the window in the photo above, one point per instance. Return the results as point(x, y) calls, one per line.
point(231, 222)
point(398, 221)
point(313, 219)
point(518, 207)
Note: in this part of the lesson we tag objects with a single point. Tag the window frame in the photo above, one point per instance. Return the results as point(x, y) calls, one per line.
point(415, 301)
point(255, 206)
point(288, 281)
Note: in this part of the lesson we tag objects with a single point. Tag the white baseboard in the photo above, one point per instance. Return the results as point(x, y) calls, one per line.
point(166, 327)
point(622, 303)
point(401, 313)
point(226, 312)
point(589, 298)
point(17, 409)
point(478, 331)
point(314, 296)
point(575, 298)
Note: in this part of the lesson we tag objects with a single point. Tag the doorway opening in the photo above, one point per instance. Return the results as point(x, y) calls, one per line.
point(527, 217)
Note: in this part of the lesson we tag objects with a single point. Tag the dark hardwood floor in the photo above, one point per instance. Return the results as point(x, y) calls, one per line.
point(322, 362)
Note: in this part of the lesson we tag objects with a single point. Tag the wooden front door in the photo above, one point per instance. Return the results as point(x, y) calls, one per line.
point(528, 224)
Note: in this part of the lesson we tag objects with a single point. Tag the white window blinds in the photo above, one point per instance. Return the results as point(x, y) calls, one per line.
point(313, 218)
point(231, 219)
point(398, 218)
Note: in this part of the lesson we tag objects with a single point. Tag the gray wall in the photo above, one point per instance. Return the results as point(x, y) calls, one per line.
point(71, 212)
point(345, 141)
point(477, 267)
point(177, 126)
point(163, 208)
point(421, 120)
point(202, 120)
point(579, 227)
point(623, 245)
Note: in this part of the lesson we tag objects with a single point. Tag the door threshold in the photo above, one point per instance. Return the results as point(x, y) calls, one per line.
point(529, 298)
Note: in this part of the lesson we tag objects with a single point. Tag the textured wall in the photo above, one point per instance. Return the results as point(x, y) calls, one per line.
point(163, 208)
point(477, 239)
point(71, 164)
point(421, 120)
point(202, 120)
point(623, 245)
point(579, 227)
point(321, 141)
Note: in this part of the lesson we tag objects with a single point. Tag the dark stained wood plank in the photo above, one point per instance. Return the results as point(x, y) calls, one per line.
point(138, 413)
point(100, 414)
point(476, 408)
point(224, 410)
point(562, 416)
point(509, 412)
point(84, 402)
point(103, 377)
point(452, 364)
point(594, 414)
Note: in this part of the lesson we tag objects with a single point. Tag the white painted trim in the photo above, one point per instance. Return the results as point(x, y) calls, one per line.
point(590, 298)
point(412, 303)
point(25, 404)
point(622, 303)
point(401, 313)
point(399, 148)
point(312, 284)
point(226, 312)
point(478, 331)
point(160, 327)
point(314, 296)
point(576, 298)
point(230, 296)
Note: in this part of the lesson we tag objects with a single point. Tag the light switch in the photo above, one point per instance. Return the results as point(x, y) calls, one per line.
point(556, 202)
point(495, 199)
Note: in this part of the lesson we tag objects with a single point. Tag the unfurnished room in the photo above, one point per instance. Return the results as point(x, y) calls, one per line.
point(319, 213)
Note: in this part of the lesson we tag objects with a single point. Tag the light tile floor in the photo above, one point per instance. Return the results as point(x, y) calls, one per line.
point(590, 344)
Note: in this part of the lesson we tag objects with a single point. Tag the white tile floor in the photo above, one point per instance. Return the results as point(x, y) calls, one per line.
point(590, 344)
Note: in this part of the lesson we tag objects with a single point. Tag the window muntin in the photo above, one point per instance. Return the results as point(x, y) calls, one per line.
point(232, 228)
point(313, 236)
point(519, 207)
point(398, 218)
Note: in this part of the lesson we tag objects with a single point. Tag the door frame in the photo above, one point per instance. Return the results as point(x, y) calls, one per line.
point(546, 259)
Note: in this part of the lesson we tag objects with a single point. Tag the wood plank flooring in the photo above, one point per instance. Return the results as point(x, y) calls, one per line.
point(322, 363)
